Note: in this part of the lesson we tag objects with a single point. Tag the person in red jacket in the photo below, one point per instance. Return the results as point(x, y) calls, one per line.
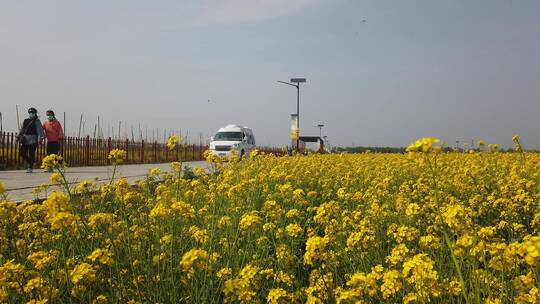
point(53, 132)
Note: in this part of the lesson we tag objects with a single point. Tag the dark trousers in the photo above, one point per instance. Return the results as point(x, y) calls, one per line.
point(53, 147)
point(28, 153)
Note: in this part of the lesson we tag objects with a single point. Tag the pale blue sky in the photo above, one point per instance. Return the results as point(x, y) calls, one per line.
point(458, 70)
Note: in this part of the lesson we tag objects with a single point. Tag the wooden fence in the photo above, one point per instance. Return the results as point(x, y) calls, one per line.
point(88, 151)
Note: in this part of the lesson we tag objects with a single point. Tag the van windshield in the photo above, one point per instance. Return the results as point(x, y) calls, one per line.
point(230, 136)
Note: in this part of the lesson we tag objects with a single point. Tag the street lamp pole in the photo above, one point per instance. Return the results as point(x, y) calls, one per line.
point(320, 126)
point(295, 82)
point(321, 140)
point(298, 114)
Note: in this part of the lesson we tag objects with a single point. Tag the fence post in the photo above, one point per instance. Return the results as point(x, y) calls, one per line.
point(92, 151)
point(108, 146)
point(11, 147)
point(200, 151)
point(65, 151)
point(87, 148)
point(3, 150)
point(127, 150)
point(142, 151)
point(155, 151)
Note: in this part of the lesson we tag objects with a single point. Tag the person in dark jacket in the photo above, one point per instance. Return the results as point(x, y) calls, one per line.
point(30, 134)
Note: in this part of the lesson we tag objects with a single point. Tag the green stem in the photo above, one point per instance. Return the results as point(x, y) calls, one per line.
point(456, 265)
point(114, 173)
point(64, 181)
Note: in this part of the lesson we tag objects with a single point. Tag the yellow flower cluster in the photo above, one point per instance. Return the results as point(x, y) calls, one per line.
point(83, 271)
point(316, 249)
point(195, 259)
point(348, 228)
point(250, 221)
point(173, 141)
point(103, 256)
point(244, 287)
point(423, 145)
point(117, 156)
point(51, 161)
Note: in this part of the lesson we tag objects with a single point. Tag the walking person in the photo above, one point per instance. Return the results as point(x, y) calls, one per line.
point(30, 134)
point(54, 134)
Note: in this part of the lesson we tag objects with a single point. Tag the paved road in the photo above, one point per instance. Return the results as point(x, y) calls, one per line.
point(19, 184)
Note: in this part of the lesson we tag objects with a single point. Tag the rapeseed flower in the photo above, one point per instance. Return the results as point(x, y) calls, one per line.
point(349, 228)
point(51, 161)
point(294, 230)
point(224, 273)
point(391, 284)
point(241, 288)
point(82, 272)
point(42, 259)
point(530, 250)
point(316, 249)
point(424, 145)
point(173, 141)
point(117, 156)
point(103, 256)
point(192, 261)
point(276, 296)
point(250, 221)
point(55, 178)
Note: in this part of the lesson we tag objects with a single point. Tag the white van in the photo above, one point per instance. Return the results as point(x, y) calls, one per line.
point(232, 138)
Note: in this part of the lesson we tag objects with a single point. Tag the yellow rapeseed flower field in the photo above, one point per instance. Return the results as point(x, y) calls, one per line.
point(427, 226)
